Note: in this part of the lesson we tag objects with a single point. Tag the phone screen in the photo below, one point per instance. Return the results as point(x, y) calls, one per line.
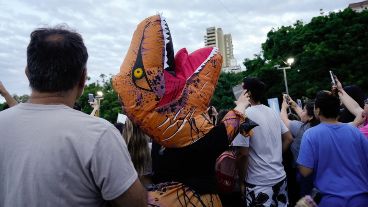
point(286, 97)
point(237, 90)
point(332, 78)
point(90, 98)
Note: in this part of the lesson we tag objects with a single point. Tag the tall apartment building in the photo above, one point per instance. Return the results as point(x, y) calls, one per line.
point(215, 37)
point(359, 6)
point(228, 43)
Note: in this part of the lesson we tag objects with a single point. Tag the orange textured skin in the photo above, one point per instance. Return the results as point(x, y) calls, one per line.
point(183, 120)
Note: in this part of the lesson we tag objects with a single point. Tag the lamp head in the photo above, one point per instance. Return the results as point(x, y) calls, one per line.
point(99, 93)
point(290, 61)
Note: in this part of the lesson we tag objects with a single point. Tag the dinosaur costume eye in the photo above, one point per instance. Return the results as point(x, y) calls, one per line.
point(140, 79)
point(138, 73)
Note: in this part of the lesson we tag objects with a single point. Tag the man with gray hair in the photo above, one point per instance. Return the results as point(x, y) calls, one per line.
point(53, 155)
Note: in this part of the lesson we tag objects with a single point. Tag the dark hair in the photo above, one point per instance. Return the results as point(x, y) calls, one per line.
point(328, 104)
point(77, 107)
point(357, 94)
point(256, 87)
point(292, 116)
point(309, 106)
point(56, 59)
point(120, 127)
point(221, 115)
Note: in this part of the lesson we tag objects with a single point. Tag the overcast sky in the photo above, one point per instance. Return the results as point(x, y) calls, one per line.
point(107, 27)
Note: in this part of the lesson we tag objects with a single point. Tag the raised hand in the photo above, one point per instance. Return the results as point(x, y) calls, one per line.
point(3, 91)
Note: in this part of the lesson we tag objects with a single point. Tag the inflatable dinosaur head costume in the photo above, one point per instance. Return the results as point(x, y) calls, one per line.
point(166, 96)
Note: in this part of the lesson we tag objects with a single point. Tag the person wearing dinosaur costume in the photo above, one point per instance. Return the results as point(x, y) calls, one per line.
point(168, 97)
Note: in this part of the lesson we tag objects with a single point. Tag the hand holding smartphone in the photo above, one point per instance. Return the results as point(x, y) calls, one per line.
point(237, 90)
point(332, 78)
point(286, 97)
point(334, 89)
point(91, 98)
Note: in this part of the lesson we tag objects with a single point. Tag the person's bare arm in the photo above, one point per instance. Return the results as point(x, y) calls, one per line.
point(243, 102)
point(95, 107)
point(287, 139)
point(8, 98)
point(298, 110)
point(349, 102)
point(135, 196)
point(283, 114)
point(359, 119)
point(305, 171)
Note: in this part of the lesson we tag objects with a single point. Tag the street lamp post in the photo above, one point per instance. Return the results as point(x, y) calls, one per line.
point(288, 62)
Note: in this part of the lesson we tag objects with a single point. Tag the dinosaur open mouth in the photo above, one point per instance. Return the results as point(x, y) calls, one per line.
point(179, 69)
point(168, 53)
point(165, 93)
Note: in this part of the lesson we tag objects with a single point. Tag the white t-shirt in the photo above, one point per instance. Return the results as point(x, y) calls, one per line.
point(265, 147)
point(53, 155)
point(240, 141)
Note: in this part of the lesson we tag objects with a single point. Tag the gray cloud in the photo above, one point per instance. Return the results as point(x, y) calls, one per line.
point(107, 27)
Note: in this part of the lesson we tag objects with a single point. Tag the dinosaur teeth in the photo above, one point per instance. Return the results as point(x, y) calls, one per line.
point(213, 53)
point(166, 37)
point(165, 63)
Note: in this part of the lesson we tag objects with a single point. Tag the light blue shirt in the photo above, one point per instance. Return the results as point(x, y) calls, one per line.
point(338, 154)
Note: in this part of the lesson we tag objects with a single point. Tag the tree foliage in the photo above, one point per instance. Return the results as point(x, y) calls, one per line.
point(3, 106)
point(21, 99)
point(110, 106)
point(223, 97)
point(337, 42)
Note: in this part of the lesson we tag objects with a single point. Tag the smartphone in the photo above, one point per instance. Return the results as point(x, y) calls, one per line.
point(237, 90)
point(332, 78)
point(299, 102)
point(286, 97)
point(91, 98)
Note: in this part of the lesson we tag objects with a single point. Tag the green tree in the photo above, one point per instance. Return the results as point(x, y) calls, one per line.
point(110, 106)
point(337, 42)
point(3, 106)
point(223, 97)
point(21, 99)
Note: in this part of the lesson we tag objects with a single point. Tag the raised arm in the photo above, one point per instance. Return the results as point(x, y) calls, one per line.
point(349, 102)
point(8, 98)
point(243, 102)
point(298, 110)
point(235, 117)
point(359, 119)
point(284, 113)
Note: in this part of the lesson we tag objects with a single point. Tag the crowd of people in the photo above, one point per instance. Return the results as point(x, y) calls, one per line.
point(54, 155)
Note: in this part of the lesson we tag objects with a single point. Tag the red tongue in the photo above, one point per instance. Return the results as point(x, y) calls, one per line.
point(185, 65)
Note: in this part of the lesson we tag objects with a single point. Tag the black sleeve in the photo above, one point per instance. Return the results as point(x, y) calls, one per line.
point(193, 165)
